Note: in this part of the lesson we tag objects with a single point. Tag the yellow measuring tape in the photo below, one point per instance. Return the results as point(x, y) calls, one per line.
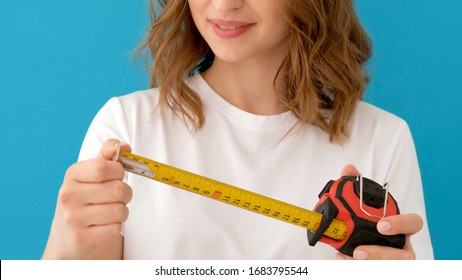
point(228, 194)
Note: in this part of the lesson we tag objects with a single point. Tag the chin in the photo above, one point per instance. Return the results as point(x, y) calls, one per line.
point(230, 56)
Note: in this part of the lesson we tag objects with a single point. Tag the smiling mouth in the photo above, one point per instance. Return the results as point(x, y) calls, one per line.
point(228, 27)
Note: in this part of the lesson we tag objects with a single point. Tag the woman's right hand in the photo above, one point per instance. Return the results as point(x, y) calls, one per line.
point(91, 208)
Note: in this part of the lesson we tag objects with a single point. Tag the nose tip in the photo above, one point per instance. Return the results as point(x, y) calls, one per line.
point(226, 5)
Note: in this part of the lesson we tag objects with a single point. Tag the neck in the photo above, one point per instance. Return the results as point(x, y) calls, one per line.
point(248, 85)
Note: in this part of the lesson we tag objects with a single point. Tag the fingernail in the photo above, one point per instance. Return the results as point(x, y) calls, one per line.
point(120, 144)
point(340, 257)
point(383, 226)
point(360, 254)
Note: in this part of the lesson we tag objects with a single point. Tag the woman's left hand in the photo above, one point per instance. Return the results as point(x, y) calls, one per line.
point(407, 224)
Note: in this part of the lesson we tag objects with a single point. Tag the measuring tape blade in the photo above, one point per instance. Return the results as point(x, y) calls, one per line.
point(229, 194)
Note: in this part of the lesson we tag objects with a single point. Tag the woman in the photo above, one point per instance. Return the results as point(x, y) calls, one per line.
point(261, 94)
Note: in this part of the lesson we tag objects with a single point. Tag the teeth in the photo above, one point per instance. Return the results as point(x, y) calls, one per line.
point(228, 27)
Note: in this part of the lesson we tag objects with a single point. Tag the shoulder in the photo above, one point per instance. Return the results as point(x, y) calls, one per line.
point(118, 119)
point(128, 106)
point(139, 100)
point(377, 129)
point(365, 109)
point(368, 117)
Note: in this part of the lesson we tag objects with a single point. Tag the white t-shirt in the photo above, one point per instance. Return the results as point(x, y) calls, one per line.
point(246, 150)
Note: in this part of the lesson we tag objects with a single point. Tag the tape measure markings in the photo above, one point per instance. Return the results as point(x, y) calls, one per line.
point(229, 194)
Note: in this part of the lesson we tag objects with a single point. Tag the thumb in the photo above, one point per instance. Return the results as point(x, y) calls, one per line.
point(350, 170)
point(109, 149)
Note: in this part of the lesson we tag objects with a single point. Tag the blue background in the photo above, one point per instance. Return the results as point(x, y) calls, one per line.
point(61, 60)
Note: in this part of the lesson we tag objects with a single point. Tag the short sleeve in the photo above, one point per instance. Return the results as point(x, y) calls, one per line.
point(109, 123)
point(406, 186)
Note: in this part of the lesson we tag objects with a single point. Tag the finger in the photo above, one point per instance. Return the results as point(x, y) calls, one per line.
point(94, 171)
point(114, 191)
point(350, 170)
point(103, 233)
point(91, 193)
point(109, 149)
point(106, 214)
point(98, 214)
point(400, 224)
point(373, 252)
point(340, 256)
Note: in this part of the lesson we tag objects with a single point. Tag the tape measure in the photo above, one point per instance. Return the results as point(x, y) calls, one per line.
point(321, 224)
point(229, 194)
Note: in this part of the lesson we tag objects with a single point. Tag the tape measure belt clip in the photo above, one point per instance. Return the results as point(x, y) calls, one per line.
point(360, 203)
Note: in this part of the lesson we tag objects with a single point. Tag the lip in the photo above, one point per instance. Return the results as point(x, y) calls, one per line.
point(228, 29)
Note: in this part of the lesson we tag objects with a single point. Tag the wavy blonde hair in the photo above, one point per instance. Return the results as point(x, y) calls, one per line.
point(324, 70)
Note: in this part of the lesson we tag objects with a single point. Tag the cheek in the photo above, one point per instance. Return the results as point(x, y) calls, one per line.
point(277, 34)
point(197, 12)
point(276, 24)
point(195, 7)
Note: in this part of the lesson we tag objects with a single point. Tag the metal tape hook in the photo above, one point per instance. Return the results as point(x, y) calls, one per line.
point(361, 201)
point(133, 165)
